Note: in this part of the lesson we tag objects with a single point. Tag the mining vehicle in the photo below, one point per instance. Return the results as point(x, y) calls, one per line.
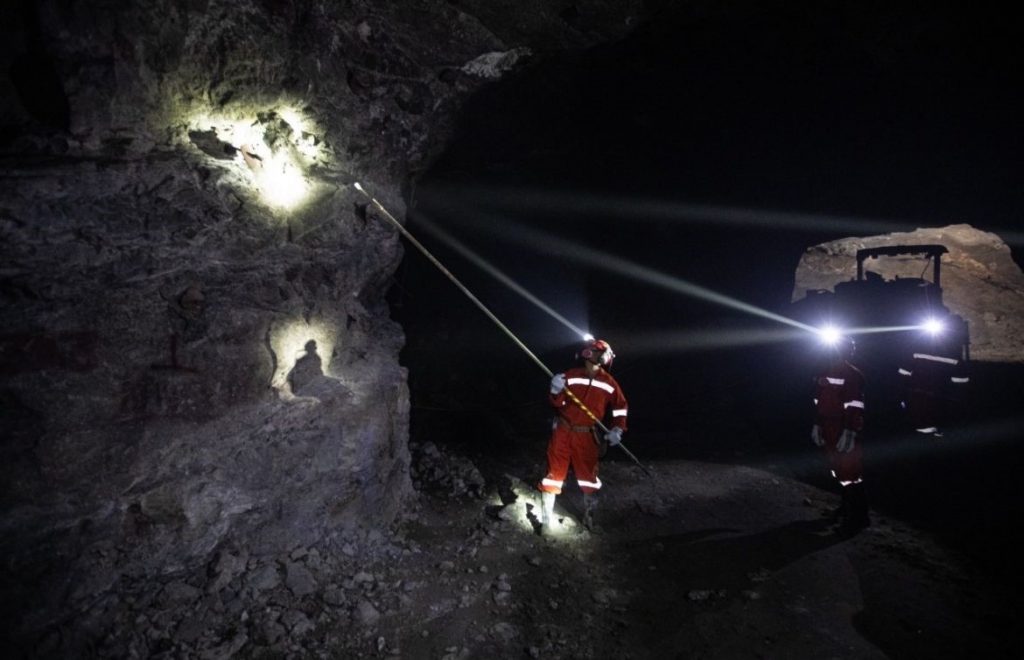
point(890, 318)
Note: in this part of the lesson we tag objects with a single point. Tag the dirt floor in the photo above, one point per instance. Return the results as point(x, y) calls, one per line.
point(699, 560)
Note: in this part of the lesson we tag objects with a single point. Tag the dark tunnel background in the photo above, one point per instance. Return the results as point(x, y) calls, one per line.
point(880, 113)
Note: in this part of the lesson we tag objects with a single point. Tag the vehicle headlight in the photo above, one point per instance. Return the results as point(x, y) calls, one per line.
point(933, 326)
point(829, 335)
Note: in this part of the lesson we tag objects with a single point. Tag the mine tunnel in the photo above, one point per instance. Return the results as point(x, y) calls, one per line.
point(285, 286)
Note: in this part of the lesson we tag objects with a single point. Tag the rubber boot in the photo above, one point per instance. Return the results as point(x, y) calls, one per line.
point(589, 507)
point(859, 501)
point(836, 514)
point(547, 509)
point(856, 517)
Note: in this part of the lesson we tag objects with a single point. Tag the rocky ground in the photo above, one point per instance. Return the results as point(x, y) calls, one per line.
point(698, 560)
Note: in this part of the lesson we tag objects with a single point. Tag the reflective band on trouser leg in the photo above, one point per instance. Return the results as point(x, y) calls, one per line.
point(846, 466)
point(559, 455)
point(584, 462)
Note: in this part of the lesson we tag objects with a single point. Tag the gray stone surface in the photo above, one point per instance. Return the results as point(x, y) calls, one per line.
point(197, 366)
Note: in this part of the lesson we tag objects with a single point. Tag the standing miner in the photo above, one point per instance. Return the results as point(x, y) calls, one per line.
point(839, 419)
point(934, 377)
point(581, 396)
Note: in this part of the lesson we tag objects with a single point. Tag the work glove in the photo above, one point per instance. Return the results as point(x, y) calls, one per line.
point(816, 436)
point(614, 436)
point(847, 440)
point(557, 383)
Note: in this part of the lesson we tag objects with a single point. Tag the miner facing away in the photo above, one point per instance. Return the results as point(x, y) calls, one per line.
point(838, 422)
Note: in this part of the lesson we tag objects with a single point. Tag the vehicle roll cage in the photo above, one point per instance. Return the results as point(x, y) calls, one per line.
point(933, 252)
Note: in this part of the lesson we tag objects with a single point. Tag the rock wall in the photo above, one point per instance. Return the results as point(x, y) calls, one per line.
point(195, 350)
point(980, 280)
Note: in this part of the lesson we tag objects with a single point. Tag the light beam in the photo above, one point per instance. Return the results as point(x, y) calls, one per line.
point(683, 341)
point(497, 274)
point(548, 243)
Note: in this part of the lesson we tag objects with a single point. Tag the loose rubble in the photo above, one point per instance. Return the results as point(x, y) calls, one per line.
point(464, 574)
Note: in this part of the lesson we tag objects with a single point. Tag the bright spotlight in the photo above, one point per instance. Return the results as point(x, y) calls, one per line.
point(933, 326)
point(278, 157)
point(829, 335)
point(283, 184)
point(588, 337)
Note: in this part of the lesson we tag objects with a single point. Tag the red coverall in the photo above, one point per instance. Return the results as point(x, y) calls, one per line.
point(839, 404)
point(572, 438)
point(932, 382)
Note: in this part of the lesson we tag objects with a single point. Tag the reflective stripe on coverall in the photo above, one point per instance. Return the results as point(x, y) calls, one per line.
point(931, 382)
point(839, 401)
point(572, 440)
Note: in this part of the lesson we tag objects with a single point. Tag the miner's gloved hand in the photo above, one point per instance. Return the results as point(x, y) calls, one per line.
point(846, 441)
point(816, 436)
point(614, 436)
point(557, 383)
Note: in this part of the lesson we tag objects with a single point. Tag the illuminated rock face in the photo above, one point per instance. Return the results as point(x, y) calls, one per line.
point(980, 281)
point(195, 348)
point(160, 390)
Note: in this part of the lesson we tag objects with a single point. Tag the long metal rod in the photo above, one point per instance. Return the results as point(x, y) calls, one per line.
point(469, 294)
point(483, 308)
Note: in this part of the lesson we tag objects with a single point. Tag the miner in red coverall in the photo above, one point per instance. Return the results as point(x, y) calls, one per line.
point(838, 421)
point(934, 377)
point(574, 440)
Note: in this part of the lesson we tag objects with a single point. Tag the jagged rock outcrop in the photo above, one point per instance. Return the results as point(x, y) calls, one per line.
point(980, 281)
point(195, 349)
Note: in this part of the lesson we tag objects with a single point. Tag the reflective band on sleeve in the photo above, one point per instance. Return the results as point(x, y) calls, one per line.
point(815, 402)
point(620, 412)
point(960, 380)
point(596, 383)
point(904, 372)
point(935, 358)
point(929, 429)
point(835, 381)
point(854, 404)
point(589, 484)
point(849, 483)
point(551, 482)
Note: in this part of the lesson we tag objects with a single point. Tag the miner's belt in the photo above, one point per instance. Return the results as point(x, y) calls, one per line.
point(574, 428)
